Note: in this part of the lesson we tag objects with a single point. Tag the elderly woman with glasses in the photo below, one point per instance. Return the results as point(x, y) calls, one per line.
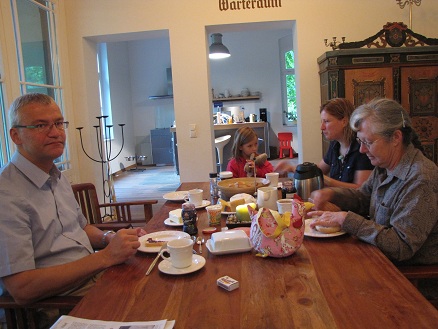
point(396, 208)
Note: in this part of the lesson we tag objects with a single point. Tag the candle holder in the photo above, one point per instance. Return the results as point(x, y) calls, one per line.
point(105, 152)
point(403, 3)
point(334, 44)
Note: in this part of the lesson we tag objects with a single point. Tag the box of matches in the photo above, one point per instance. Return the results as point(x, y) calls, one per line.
point(227, 283)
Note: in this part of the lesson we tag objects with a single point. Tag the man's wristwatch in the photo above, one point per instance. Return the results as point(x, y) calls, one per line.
point(104, 237)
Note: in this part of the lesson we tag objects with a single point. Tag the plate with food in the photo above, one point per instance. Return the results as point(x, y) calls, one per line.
point(176, 196)
point(322, 231)
point(229, 207)
point(153, 242)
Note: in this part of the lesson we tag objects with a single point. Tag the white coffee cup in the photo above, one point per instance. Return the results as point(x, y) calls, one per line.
point(273, 178)
point(195, 197)
point(180, 251)
point(284, 205)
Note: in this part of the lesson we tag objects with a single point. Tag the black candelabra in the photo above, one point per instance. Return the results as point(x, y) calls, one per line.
point(103, 139)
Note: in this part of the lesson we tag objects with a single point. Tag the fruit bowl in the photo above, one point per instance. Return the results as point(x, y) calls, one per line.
point(249, 185)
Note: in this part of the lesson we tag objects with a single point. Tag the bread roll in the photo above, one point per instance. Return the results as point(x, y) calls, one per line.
point(328, 229)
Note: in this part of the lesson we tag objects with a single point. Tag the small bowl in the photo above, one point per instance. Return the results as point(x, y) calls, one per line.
point(230, 240)
point(230, 187)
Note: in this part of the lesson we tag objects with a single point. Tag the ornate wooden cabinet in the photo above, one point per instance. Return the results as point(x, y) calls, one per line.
point(397, 63)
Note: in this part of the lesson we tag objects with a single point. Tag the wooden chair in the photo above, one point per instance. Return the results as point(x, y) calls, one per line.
point(24, 316)
point(285, 143)
point(415, 273)
point(86, 196)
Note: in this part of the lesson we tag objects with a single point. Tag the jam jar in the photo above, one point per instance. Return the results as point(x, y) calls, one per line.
point(288, 190)
point(189, 217)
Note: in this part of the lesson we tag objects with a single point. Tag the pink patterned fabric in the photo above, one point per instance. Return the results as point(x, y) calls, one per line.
point(277, 235)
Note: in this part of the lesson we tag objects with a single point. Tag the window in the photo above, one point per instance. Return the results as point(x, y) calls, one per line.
point(287, 71)
point(104, 87)
point(37, 56)
point(4, 146)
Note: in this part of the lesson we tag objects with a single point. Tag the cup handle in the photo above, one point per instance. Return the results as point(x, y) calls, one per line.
point(162, 254)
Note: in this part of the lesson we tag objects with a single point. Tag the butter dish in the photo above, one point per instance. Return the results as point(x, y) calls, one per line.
point(228, 242)
point(175, 216)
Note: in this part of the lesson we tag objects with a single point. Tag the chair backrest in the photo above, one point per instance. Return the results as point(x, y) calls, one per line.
point(86, 196)
point(285, 139)
point(24, 316)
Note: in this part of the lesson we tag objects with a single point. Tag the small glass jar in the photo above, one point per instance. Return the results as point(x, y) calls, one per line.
point(214, 190)
point(189, 217)
point(225, 175)
point(288, 190)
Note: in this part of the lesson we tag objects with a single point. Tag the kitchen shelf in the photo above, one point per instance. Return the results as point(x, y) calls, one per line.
point(161, 97)
point(236, 98)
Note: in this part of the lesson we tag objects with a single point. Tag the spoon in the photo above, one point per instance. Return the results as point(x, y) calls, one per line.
point(252, 157)
point(200, 241)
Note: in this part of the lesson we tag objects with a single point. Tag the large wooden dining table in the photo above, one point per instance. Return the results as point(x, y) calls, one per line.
point(337, 282)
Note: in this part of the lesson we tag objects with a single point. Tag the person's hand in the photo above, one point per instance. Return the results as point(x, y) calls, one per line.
point(320, 198)
point(249, 168)
point(122, 246)
point(327, 218)
point(283, 167)
point(140, 232)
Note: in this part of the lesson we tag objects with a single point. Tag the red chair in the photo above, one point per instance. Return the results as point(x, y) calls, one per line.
point(285, 143)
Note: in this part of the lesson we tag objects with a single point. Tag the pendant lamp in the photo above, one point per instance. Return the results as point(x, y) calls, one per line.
point(217, 48)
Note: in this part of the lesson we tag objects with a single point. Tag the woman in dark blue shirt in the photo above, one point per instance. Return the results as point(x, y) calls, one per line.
point(343, 165)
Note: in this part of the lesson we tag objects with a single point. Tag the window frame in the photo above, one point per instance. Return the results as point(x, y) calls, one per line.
point(20, 83)
point(285, 46)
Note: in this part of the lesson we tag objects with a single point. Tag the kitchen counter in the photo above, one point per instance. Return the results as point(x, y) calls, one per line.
point(261, 129)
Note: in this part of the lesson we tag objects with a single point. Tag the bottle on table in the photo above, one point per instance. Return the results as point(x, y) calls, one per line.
point(288, 190)
point(189, 217)
point(214, 189)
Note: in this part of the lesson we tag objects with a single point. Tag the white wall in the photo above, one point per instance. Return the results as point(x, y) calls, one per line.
point(189, 22)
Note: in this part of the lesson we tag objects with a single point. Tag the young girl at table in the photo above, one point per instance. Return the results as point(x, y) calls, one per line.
point(245, 157)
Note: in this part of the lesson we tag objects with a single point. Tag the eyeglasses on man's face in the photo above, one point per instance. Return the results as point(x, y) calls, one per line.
point(46, 127)
point(367, 144)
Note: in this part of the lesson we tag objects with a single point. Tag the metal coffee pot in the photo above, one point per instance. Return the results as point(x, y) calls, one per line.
point(308, 178)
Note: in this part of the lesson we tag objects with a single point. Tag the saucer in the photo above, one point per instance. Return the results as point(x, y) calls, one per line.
point(204, 204)
point(176, 196)
point(170, 223)
point(198, 262)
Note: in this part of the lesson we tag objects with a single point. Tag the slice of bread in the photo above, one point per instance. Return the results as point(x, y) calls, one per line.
point(328, 229)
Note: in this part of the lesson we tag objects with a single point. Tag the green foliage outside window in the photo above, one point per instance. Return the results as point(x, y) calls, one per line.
point(35, 74)
point(291, 112)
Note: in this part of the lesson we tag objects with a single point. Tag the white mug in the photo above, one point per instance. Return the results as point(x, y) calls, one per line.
point(273, 178)
point(195, 197)
point(180, 251)
point(284, 205)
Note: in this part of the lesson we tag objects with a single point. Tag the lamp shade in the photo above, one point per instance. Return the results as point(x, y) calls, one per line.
point(217, 48)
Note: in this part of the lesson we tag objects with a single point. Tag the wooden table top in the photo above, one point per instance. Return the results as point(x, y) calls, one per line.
point(337, 282)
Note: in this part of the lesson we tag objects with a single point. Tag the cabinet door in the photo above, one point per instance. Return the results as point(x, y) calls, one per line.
point(419, 96)
point(362, 85)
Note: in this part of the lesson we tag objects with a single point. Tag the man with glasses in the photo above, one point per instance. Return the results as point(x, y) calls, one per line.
point(46, 243)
